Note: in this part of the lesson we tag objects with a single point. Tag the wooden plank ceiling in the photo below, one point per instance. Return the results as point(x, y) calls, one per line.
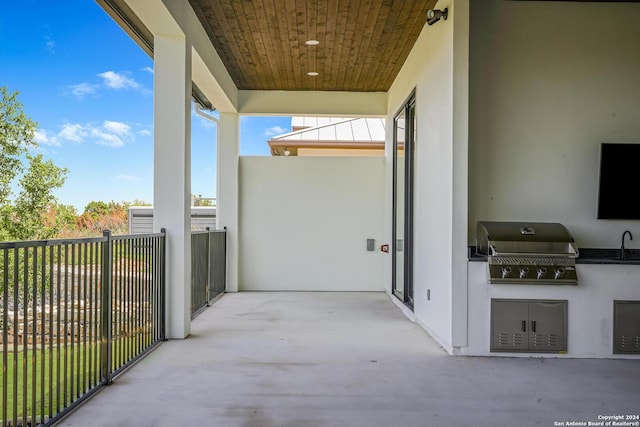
point(363, 43)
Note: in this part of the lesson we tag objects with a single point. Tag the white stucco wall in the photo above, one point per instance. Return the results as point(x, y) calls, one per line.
point(549, 82)
point(439, 78)
point(304, 222)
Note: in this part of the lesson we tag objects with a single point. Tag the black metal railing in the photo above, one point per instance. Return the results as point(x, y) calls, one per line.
point(208, 267)
point(74, 313)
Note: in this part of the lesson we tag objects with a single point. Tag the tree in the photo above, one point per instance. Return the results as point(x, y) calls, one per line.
point(201, 201)
point(96, 209)
point(98, 216)
point(61, 219)
point(22, 216)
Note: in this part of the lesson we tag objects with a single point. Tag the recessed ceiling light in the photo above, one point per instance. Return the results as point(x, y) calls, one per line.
point(312, 73)
point(312, 42)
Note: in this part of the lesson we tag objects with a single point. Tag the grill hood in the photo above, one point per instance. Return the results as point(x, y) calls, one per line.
point(495, 238)
point(528, 252)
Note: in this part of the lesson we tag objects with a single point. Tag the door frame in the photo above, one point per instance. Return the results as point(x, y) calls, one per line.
point(408, 108)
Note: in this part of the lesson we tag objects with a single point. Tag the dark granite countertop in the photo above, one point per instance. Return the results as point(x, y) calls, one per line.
point(607, 256)
point(586, 256)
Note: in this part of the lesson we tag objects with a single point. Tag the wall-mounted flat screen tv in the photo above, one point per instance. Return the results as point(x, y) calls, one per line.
point(619, 189)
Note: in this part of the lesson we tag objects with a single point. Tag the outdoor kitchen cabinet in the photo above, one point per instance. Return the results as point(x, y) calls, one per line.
point(529, 325)
point(626, 327)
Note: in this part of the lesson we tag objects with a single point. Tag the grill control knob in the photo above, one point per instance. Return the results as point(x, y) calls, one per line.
point(559, 273)
point(524, 271)
point(506, 272)
point(541, 272)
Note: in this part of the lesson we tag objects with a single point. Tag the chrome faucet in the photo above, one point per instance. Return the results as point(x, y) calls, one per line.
point(622, 247)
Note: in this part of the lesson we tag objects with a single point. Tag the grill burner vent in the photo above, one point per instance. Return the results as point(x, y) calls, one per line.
point(528, 253)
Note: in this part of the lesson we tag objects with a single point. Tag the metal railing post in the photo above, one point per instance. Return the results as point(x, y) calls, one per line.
point(208, 285)
point(163, 287)
point(105, 309)
point(224, 261)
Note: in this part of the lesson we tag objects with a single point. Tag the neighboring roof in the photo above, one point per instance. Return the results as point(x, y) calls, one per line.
point(298, 123)
point(330, 132)
point(335, 129)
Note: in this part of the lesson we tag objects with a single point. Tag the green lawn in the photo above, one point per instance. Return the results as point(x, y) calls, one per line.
point(68, 374)
point(62, 381)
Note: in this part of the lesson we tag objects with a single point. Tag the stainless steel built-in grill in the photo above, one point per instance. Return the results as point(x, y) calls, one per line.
point(528, 253)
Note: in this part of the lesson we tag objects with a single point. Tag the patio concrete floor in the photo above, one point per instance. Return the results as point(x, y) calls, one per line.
point(304, 359)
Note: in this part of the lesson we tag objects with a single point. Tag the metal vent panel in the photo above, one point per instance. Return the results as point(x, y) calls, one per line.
point(505, 339)
point(545, 340)
point(629, 342)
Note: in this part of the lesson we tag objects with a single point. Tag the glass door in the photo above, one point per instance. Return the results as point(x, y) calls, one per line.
point(398, 205)
point(403, 158)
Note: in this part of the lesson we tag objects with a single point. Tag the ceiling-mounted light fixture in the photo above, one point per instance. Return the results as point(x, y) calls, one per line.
point(313, 73)
point(286, 151)
point(312, 42)
point(434, 15)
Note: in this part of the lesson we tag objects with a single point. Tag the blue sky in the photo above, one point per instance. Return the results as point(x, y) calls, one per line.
point(90, 89)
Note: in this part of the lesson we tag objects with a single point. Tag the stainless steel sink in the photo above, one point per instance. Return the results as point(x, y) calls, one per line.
point(631, 255)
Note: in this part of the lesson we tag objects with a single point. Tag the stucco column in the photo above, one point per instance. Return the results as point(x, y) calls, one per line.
point(227, 191)
point(460, 190)
point(172, 173)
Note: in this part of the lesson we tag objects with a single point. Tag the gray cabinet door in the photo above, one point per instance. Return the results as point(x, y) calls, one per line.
point(547, 331)
point(528, 325)
point(626, 327)
point(509, 325)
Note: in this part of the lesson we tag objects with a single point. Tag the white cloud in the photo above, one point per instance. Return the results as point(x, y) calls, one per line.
point(275, 130)
point(105, 138)
point(144, 132)
point(148, 69)
point(118, 128)
point(73, 132)
point(111, 80)
point(42, 137)
point(114, 80)
point(82, 89)
point(111, 134)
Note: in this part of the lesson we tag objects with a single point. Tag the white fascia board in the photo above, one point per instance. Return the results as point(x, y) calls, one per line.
point(156, 17)
point(177, 19)
point(208, 70)
point(317, 103)
point(224, 97)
